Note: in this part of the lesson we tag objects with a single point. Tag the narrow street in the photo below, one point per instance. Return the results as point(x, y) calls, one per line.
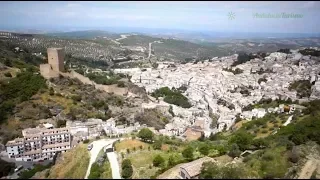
point(112, 157)
point(97, 146)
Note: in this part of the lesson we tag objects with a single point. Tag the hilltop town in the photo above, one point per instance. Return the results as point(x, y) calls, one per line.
point(177, 103)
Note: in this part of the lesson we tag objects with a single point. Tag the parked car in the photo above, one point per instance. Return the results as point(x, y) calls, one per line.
point(90, 146)
point(18, 168)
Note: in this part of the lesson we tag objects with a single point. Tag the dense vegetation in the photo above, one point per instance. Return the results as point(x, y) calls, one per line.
point(69, 59)
point(146, 135)
point(105, 79)
point(311, 52)
point(276, 152)
point(287, 51)
point(303, 88)
point(17, 90)
point(243, 58)
point(97, 170)
point(267, 103)
point(211, 170)
point(127, 170)
point(236, 71)
point(5, 168)
point(172, 97)
point(27, 174)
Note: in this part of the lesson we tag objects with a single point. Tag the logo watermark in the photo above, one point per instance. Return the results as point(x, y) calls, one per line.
point(277, 15)
point(231, 15)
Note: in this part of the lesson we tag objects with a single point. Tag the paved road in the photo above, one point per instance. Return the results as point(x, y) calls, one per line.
point(113, 159)
point(97, 146)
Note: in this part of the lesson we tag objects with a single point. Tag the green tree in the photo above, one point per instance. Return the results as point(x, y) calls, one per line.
point(158, 161)
point(242, 139)
point(210, 170)
point(157, 145)
point(171, 161)
point(146, 134)
point(234, 151)
point(188, 153)
point(127, 170)
point(204, 149)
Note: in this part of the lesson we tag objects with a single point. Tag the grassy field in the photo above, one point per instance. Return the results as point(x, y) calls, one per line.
point(130, 144)
point(263, 127)
point(64, 102)
point(73, 165)
point(142, 161)
point(272, 162)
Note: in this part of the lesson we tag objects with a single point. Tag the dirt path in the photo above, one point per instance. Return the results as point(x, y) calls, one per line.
point(308, 169)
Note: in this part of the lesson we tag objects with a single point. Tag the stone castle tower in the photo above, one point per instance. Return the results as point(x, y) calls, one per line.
point(55, 63)
point(56, 59)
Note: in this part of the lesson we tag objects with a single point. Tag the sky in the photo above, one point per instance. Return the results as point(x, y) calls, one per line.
point(229, 16)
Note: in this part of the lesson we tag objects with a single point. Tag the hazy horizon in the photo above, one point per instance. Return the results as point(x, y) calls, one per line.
point(241, 17)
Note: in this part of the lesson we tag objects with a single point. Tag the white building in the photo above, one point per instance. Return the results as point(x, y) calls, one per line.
point(39, 144)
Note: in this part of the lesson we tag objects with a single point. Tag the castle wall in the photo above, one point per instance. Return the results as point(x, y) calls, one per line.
point(47, 72)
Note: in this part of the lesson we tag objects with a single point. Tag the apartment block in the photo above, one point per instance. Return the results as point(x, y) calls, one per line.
point(39, 144)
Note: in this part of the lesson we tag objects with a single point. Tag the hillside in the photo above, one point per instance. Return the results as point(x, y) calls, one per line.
point(174, 49)
point(26, 99)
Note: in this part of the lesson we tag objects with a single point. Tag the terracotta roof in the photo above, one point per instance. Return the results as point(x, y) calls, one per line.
point(192, 134)
point(193, 168)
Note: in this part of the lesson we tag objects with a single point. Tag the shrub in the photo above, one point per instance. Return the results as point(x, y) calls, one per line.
point(146, 134)
point(158, 161)
point(86, 141)
point(76, 98)
point(61, 123)
point(127, 170)
point(234, 151)
point(121, 84)
point(7, 74)
point(204, 149)
point(264, 131)
point(267, 157)
point(5, 168)
point(188, 153)
point(157, 145)
point(172, 97)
